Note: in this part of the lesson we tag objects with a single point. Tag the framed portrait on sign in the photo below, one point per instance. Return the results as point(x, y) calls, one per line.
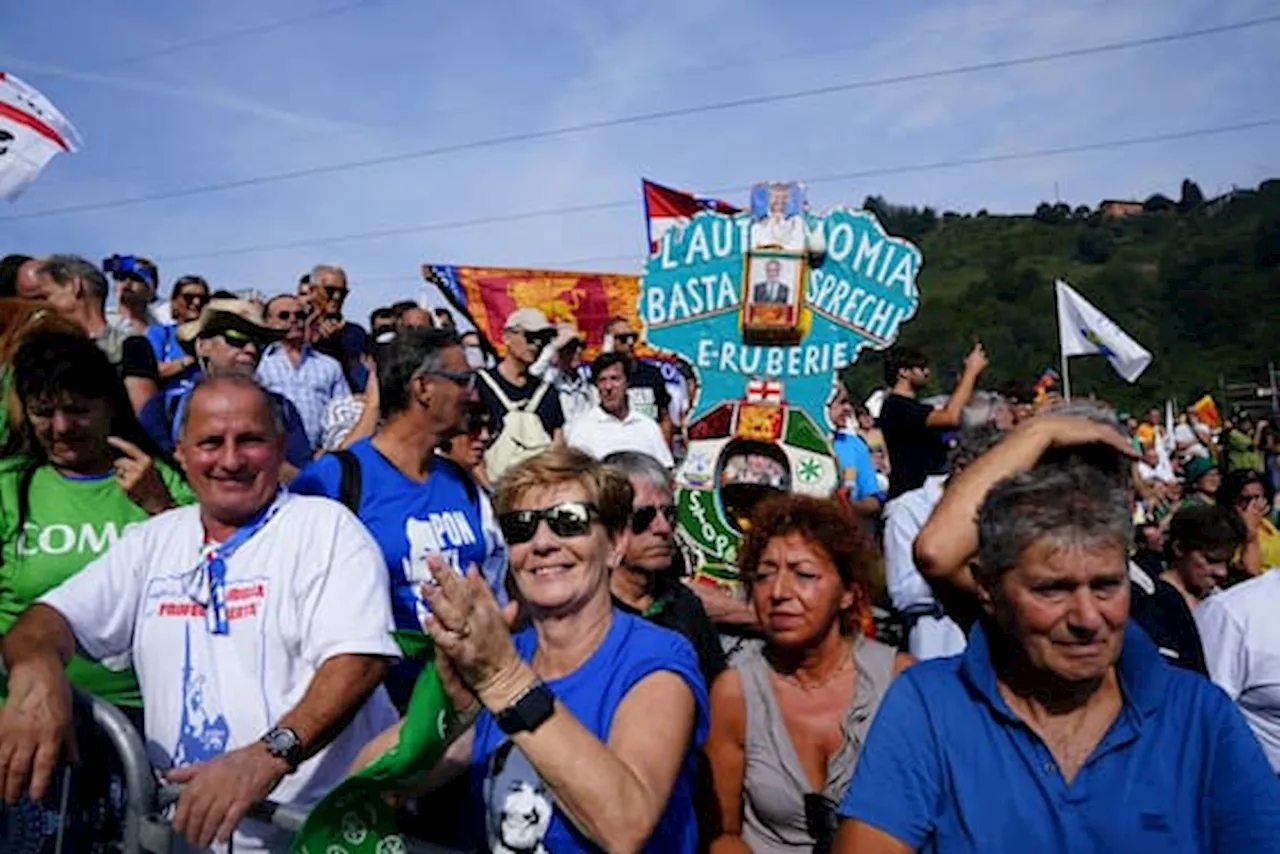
point(773, 290)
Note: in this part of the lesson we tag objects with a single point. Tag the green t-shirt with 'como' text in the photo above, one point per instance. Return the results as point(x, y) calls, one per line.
point(70, 522)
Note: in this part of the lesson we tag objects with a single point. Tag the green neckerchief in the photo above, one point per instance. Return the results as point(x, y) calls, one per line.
point(355, 818)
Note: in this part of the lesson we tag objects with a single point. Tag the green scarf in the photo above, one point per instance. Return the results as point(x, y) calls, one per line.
point(355, 817)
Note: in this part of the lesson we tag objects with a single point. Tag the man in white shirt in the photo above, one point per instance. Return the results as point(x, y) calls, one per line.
point(613, 425)
point(930, 632)
point(257, 623)
point(1241, 638)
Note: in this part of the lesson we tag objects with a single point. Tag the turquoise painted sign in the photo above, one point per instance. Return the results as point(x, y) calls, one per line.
point(703, 289)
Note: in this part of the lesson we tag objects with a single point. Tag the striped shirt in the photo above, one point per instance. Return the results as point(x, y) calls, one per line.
point(309, 385)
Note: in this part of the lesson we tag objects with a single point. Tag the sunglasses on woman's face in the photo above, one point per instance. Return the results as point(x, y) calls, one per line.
point(291, 315)
point(642, 517)
point(570, 519)
point(192, 297)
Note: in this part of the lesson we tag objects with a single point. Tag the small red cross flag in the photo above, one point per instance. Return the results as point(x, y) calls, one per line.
point(764, 391)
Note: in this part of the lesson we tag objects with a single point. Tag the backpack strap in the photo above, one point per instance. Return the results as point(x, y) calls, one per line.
point(497, 391)
point(351, 482)
point(532, 403)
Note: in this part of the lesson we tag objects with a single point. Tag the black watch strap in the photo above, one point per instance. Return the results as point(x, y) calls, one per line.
point(529, 712)
point(284, 743)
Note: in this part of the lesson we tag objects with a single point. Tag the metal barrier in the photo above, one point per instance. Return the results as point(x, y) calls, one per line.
point(146, 827)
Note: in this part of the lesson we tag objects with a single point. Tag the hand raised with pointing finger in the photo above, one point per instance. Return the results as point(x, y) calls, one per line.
point(138, 477)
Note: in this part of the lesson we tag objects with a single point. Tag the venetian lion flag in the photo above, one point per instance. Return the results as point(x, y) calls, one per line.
point(586, 300)
point(665, 208)
point(32, 131)
point(1085, 331)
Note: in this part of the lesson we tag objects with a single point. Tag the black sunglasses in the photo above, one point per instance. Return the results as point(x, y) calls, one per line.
point(570, 519)
point(291, 315)
point(192, 296)
point(642, 517)
point(465, 380)
point(335, 293)
point(626, 338)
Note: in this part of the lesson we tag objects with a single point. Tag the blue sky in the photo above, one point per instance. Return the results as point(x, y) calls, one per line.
point(388, 76)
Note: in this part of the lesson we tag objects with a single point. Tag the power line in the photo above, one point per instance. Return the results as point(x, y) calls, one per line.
point(596, 207)
point(641, 118)
point(231, 35)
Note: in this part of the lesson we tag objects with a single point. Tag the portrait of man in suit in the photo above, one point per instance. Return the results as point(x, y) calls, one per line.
point(771, 289)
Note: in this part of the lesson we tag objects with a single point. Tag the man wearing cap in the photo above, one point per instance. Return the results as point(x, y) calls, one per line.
point(295, 369)
point(77, 290)
point(504, 388)
point(1200, 482)
point(136, 282)
point(228, 340)
point(613, 425)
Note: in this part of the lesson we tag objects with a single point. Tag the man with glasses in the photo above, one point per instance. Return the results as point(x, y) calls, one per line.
point(511, 389)
point(647, 582)
point(228, 339)
point(646, 389)
point(295, 369)
point(416, 503)
point(613, 424)
point(137, 280)
point(331, 334)
point(77, 290)
point(178, 367)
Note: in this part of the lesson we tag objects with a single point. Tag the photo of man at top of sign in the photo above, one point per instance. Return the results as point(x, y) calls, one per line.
point(777, 216)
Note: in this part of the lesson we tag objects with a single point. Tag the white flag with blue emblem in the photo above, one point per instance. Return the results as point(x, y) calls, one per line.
point(1085, 331)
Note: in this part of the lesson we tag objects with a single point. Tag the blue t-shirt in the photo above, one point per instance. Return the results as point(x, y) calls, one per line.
point(509, 802)
point(947, 767)
point(446, 515)
point(164, 343)
point(857, 471)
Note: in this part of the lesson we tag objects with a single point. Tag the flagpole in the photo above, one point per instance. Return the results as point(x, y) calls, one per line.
point(1066, 379)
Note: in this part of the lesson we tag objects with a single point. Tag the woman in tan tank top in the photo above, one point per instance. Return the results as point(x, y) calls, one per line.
point(788, 721)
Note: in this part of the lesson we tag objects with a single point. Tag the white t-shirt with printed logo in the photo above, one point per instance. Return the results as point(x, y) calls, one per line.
point(309, 586)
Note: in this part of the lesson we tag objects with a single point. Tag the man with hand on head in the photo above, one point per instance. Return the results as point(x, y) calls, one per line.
point(1096, 743)
point(250, 574)
point(330, 332)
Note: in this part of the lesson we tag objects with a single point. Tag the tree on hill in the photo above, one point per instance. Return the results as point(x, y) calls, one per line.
point(1198, 291)
point(1191, 197)
point(1159, 204)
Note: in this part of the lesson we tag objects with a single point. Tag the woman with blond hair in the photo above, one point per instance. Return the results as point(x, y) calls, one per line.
point(589, 718)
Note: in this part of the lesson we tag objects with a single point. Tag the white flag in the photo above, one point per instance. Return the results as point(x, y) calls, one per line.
point(1084, 330)
point(32, 131)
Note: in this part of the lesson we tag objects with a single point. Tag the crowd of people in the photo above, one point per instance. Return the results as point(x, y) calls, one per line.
point(219, 520)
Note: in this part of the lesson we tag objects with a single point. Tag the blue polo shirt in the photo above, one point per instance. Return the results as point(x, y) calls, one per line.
point(947, 767)
point(857, 470)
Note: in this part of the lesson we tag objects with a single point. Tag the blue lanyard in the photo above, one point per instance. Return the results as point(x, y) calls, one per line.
point(214, 566)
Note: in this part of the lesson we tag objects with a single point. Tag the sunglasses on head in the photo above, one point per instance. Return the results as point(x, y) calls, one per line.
point(570, 519)
point(291, 315)
point(643, 517)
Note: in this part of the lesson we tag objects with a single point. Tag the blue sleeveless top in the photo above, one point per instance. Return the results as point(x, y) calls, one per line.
point(513, 806)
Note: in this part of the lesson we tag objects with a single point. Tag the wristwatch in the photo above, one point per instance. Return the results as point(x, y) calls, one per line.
point(529, 712)
point(284, 743)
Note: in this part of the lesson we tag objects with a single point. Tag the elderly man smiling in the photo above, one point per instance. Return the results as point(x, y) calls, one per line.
point(1061, 728)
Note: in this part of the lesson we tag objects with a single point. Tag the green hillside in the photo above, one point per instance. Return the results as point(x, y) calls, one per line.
point(1196, 282)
